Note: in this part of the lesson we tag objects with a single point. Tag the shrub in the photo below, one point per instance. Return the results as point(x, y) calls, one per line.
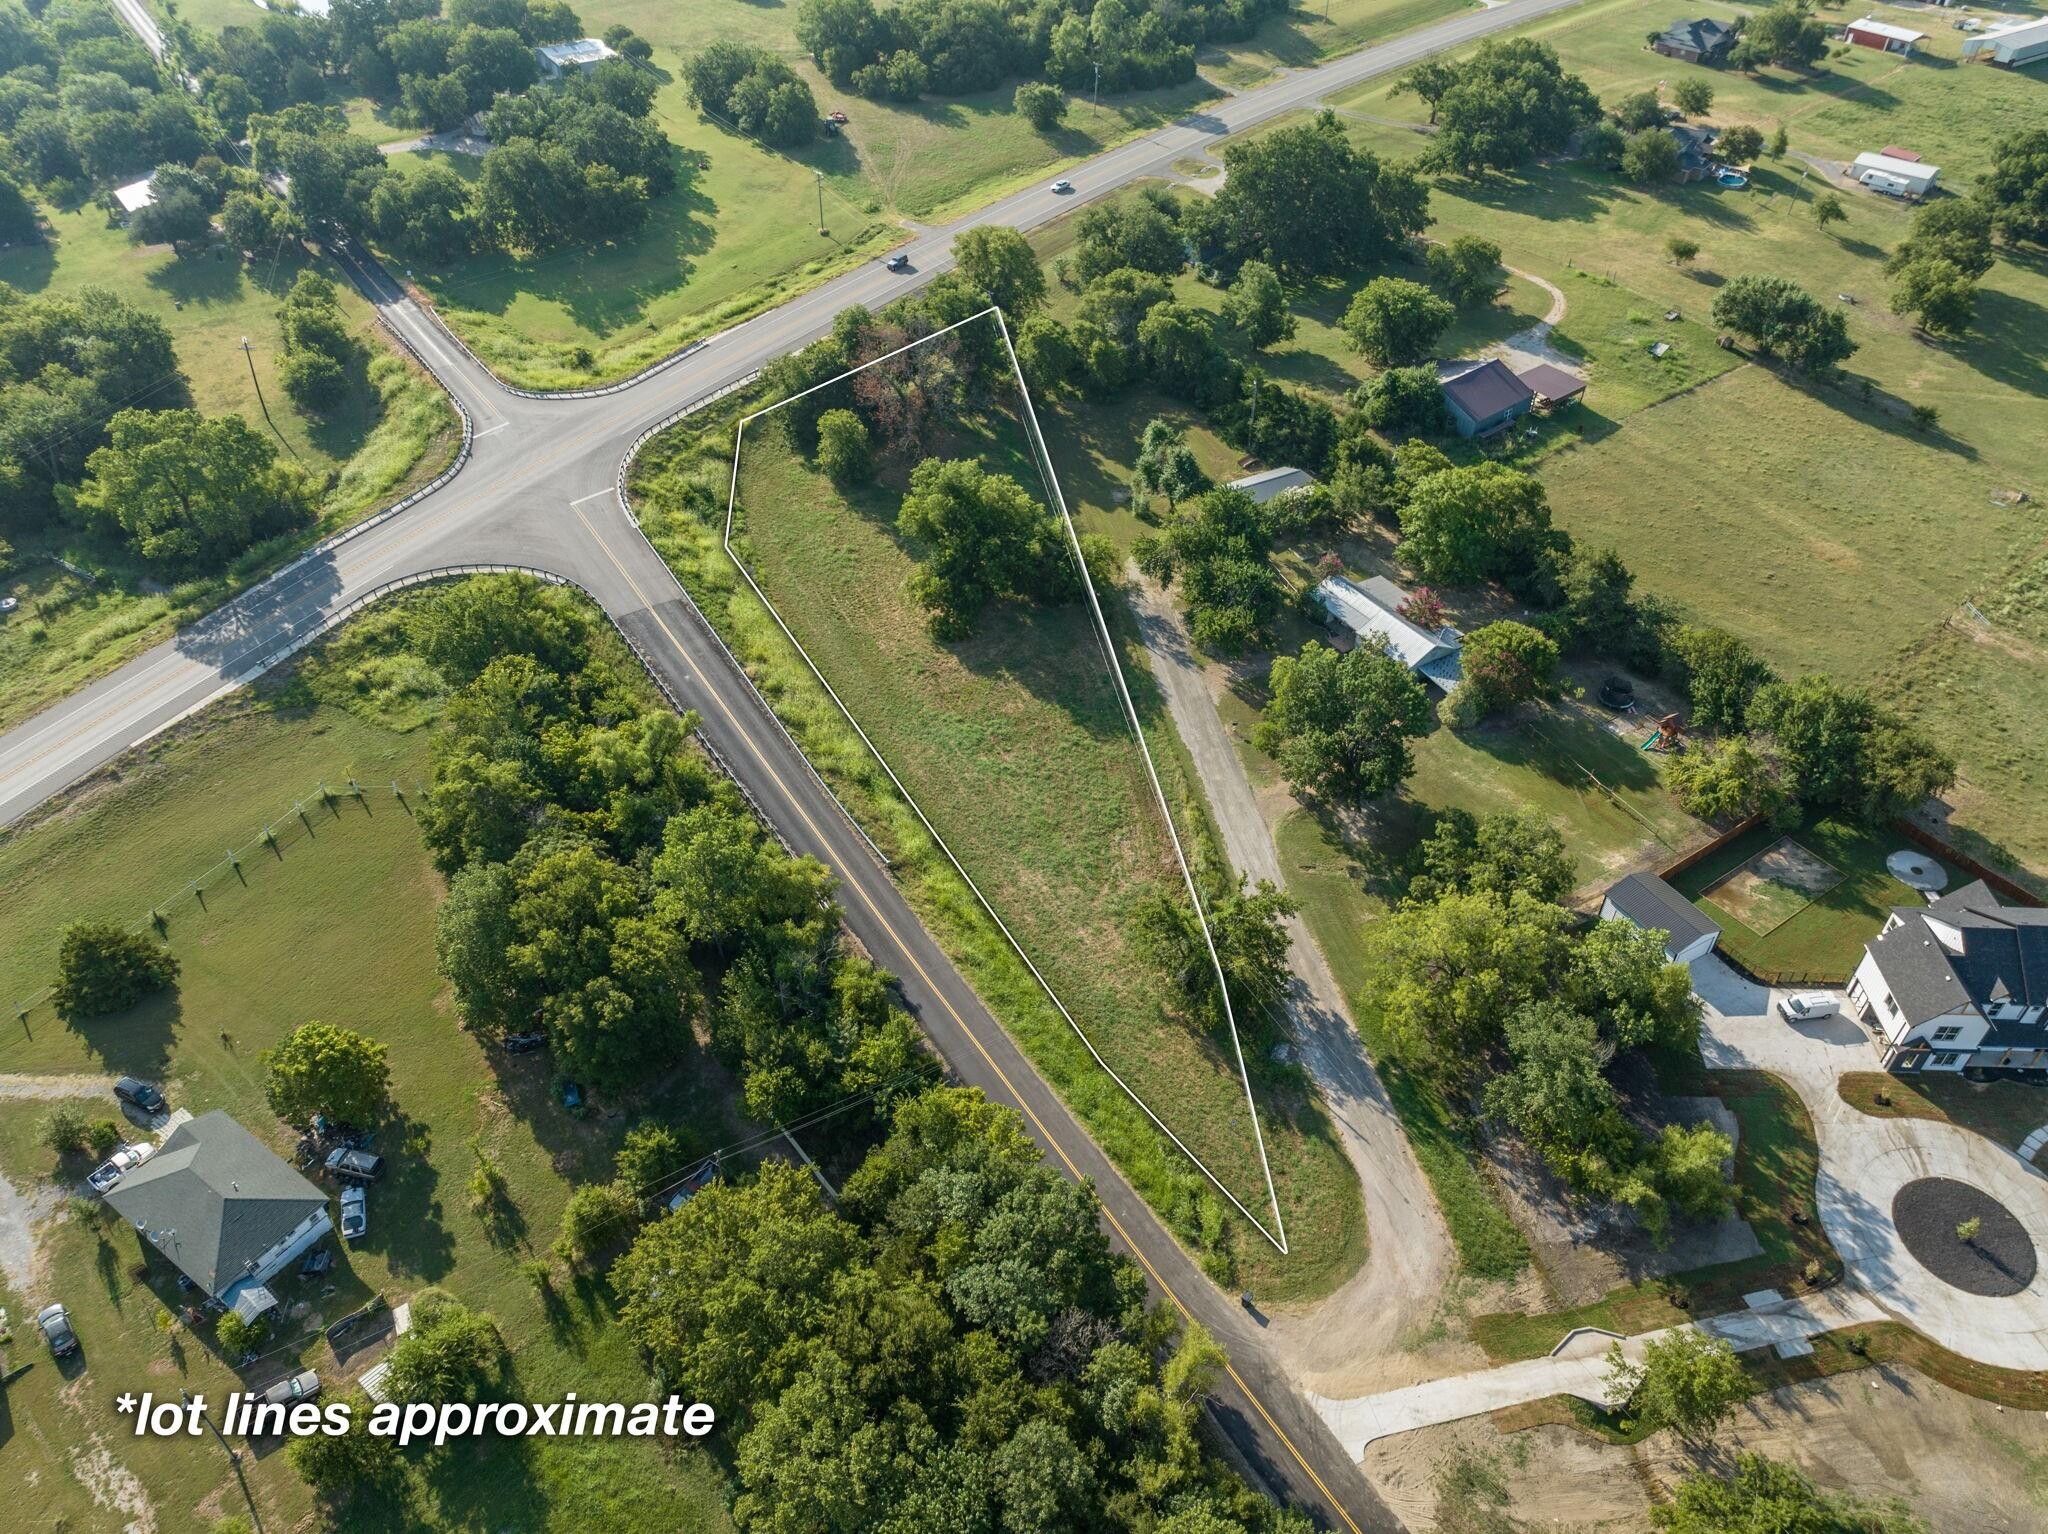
point(64, 1129)
point(101, 969)
point(844, 449)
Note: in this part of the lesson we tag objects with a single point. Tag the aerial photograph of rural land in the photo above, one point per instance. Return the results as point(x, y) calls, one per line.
point(1024, 766)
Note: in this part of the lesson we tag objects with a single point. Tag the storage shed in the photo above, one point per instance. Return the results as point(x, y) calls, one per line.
point(1887, 173)
point(1882, 35)
point(1646, 901)
point(1484, 396)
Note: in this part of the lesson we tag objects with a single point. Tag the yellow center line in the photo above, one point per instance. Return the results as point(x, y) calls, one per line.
point(910, 958)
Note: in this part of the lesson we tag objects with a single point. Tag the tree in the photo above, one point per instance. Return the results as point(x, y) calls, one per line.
point(452, 1353)
point(1682, 251)
point(177, 219)
point(18, 221)
point(1555, 1096)
point(1405, 402)
point(1216, 551)
point(1249, 929)
point(1309, 204)
point(1339, 724)
point(1395, 322)
point(1504, 663)
point(354, 1461)
point(597, 1217)
point(319, 1069)
point(1787, 34)
point(1446, 975)
point(184, 491)
point(1730, 779)
point(1481, 522)
point(1765, 1497)
point(1502, 853)
point(650, 1155)
point(1719, 673)
point(1694, 95)
point(427, 215)
point(255, 221)
point(1782, 317)
point(1688, 1381)
point(1650, 156)
point(1620, 977)
point(1640, 111)
point(1466, 270)
point(1955, 229)
point(102, 969)
point(1842, 751)
point(1512, 101)
point(1043, 106)
point(1429, 82)
point(64, 1129)
point(1167, 466)
point(2016, 188)
point(1828, 210)
point(1601, 143)
point(1139, 234)
point(1257, 306)
point(1936, 292)
point(844, 451)
point(1740, 145)
point(981, 537)
point(1047, 353)
point(1001, 262)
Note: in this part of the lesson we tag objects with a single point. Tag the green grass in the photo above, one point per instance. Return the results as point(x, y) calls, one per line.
point(1823, 940)
point(1311, 32)
point(1775, 1163)
point(394, 430)
point(2002, 1110)
point(339, 927)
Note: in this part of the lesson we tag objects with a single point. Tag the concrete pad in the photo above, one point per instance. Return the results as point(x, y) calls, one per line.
point(1793, 1347)
point(1763, 1299)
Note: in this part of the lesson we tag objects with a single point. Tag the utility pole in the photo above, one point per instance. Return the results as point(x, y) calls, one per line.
point(1095, 96)
point(250, 357)
point(821, 201)
point(234, 1456)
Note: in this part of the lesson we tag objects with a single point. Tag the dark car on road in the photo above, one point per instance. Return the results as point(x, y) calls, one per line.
point(898, 262)
point(354, 1165)
point(139, 1094)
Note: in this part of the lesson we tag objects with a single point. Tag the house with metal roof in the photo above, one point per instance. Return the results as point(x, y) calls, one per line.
point(1705, 41)
point(223, 1206)
point(578, 57)
point(1647, 901)
point(1266, 484)
point(1484, 396)
point(1891, 174)
point(1882, 35)
point(135, 196)
point(1963, 981)
point(1370, 612)
point(2010, 43)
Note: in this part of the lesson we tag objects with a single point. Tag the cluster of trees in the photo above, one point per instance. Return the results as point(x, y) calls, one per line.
point(980, 537)
point(755, 92)
point(956, 47)
point(608, 887)
point(955, 1346)
point(1780, 318)
point(1339, 724)
point(1479, 977)
point(1935, 269)
point(1506, 103)
point(319, 350)
point(80, 102)
point(1786, 34)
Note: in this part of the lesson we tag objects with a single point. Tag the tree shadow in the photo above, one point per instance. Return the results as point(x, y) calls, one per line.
point(137, 1042)
point(1566, 194)
point(1863, 399)
point(30, 265)
point(2007, 342)
point(407, 1219)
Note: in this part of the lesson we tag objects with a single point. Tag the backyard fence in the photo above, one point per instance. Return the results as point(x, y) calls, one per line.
point(1700, 854)
point(1927, 841)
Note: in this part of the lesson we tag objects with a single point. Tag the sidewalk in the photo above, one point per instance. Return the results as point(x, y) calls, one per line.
point(1578, 1369)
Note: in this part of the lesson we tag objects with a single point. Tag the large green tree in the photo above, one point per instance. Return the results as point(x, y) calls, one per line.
point(1339, 724)
point(1761, 1496)
point(1511, 100)
point(1395, 322)
point(319, 1069)
point(1783, 318)
point(1216, 552)
point(980, 537)
point(2016, 188)
point(1001, 262)
point(101, 969)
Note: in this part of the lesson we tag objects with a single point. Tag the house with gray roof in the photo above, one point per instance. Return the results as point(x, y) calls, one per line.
point(222, 1205)
point(1267, 483)
point(1370, 612)
point(1960, 982)
point(1647, 901)
point(1705, 41)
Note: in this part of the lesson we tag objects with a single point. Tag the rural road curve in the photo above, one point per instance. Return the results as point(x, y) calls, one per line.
point(1331, 1350)
point(539, 491)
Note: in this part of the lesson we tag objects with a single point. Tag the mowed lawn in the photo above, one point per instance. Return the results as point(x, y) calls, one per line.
point(1015, 745)
point(340, 928)
point(1309, 32)
point(392, 431)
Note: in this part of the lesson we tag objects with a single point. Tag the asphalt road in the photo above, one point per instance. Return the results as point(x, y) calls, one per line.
point(539, 491)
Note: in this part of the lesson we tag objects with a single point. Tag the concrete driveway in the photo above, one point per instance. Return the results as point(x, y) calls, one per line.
point(1864, 1161)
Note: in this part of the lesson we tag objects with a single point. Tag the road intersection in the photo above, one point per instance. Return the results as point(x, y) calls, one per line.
point(539, 488)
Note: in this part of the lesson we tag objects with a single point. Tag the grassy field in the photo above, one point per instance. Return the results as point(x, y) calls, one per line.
point(392, 431)
point(2003, 1109)
point(1313, 31)
point(338, 927)
point(1014, 744)
point(1824, 939)
point(1832, 499)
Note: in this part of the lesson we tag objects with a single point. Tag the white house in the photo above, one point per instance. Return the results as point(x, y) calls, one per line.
point(136, 195)
point(2010, 43)
point(1963, 981)
point(222, 1206)
point(1889, 173)
point(579, 57)
point(1266, 484)
point(1373, 611)
point(1646, 901)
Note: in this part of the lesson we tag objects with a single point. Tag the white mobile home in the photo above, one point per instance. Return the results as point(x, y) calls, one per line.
point(579, 57)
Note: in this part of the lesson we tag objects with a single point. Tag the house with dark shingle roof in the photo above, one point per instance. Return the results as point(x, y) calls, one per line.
point(1705, 41)
point(1963, 981)
point(1483, 396)
point(1647, 901)
point(222, 1205)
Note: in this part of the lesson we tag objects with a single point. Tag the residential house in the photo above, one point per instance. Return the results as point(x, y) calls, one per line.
point(1882, 35)
point(135, 196)
point(1647, 901)
point(2010, 43)
point(1891, 174)
point(1263, 486)
point(1371, 611)
point(1705, 41)
point(1483, 397)
point(1695, 150)
point(223, 1206)
point(578, 57)
point(1962, 981)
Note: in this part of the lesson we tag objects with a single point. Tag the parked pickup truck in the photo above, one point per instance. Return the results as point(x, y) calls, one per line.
point(125, 1160)
point(352, 1165)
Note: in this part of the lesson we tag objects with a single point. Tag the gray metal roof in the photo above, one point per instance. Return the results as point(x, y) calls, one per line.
point(1267, 483)
point(214, 1198)
point(1648, 901)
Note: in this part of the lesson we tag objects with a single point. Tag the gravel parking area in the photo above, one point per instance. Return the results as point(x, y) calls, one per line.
point(1998, 1260)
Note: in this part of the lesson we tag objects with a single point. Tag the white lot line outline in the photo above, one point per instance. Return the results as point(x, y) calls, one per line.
point(1278, 1235)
